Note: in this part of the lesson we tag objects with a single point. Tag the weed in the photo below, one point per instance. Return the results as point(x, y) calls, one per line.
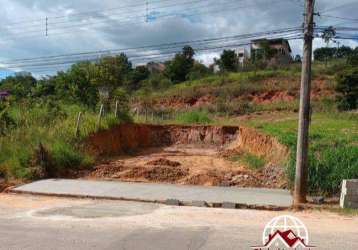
point(252, 161)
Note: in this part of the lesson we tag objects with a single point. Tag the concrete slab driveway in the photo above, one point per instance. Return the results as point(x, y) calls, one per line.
point(159, 192)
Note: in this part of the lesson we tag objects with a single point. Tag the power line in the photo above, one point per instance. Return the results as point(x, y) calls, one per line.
point(154, 56)
point(229, 8)
point(338, 7)
point(342, 18)
point(156, 46)
point(65, 60)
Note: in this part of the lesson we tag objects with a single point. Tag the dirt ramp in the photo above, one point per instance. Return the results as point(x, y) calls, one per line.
point(250, 140)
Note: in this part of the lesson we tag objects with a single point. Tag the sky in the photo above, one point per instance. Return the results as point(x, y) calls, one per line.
point(76, 26)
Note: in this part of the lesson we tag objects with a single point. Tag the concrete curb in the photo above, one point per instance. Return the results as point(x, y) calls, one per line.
point(169, 202)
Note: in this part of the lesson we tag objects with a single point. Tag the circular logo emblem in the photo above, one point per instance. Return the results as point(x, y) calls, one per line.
point(285, 223)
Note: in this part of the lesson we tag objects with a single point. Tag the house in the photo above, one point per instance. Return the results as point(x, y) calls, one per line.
point(243, 56)
point(280, 50)
point(155, 67)
point(4, 94)
point(284, 240)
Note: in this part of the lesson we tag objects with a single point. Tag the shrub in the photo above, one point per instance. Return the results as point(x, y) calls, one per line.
point(65, 156)
point(353, 58)
point(197, 117)
point(347, 88)
point(6, 122)
point(252, 161)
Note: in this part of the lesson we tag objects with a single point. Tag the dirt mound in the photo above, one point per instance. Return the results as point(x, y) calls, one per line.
point(106, 171)
point(156, 174)
point(163, 162)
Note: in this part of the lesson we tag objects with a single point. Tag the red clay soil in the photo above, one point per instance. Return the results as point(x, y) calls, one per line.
point(283, 89)
point(195, 155)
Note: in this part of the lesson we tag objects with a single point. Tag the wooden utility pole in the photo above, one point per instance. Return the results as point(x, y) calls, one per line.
point(304, 113)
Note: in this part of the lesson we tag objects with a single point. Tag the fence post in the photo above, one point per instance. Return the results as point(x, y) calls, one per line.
point(100, 117)
point(116, 110)
point(78, 124)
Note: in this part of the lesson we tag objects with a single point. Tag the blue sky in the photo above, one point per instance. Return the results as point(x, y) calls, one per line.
point(5, 73)
point(23, 23)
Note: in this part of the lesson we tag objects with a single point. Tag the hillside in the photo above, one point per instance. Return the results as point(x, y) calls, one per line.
point(268, 101)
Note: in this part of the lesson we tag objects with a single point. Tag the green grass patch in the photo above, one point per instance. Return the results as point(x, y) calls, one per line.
point(194, 117)
point(333, 150)
point(252, 161)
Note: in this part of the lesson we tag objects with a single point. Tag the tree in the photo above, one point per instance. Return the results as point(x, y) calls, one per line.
point(328, 34)
point(198, 71)
point(178, 69)
point(139, 74)
point(78, 81)
point(347, 88)
point(344, 52)
point(110, 73)
point(353, 58)
point(298, 59)
point(322, 54)
point(228, 61)
point(20, 86)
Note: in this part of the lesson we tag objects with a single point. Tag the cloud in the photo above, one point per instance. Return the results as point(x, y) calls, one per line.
point(116, 26)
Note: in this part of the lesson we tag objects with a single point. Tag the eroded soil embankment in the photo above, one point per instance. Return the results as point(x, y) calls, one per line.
point(196, 155)
point(128, 138)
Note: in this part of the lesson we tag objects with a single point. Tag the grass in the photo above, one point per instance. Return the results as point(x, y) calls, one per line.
point(345, 211)
point(53, 127)
point(194, 117)
point(333, 152)
point(252, 161)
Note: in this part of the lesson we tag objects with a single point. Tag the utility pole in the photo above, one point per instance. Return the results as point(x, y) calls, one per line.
point(46, 26)
point(304, 113)
point(146, 10)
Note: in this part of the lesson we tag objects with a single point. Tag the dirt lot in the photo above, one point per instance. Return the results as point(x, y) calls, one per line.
point(187, 164)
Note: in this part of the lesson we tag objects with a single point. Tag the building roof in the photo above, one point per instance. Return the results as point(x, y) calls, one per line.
point(289, 237)
point(4, 92)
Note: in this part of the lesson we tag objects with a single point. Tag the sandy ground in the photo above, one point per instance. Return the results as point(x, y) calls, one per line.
point(186, 164)
point(34, 222)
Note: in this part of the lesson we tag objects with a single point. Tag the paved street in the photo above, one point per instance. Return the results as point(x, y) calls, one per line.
point(160, 192)
point(37, 222)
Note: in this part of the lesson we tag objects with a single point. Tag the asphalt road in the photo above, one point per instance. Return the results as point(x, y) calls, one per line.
point(34, 222)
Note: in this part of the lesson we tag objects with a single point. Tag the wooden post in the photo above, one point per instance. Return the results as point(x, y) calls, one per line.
point(78, 124)
point(304, 112)
point(116, 110)
point(100, 117)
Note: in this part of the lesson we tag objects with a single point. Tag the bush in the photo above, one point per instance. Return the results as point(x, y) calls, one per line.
point(353, 58)
point(197, 117)
point(347, 88)
point(327, 168)
point(6, 122)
